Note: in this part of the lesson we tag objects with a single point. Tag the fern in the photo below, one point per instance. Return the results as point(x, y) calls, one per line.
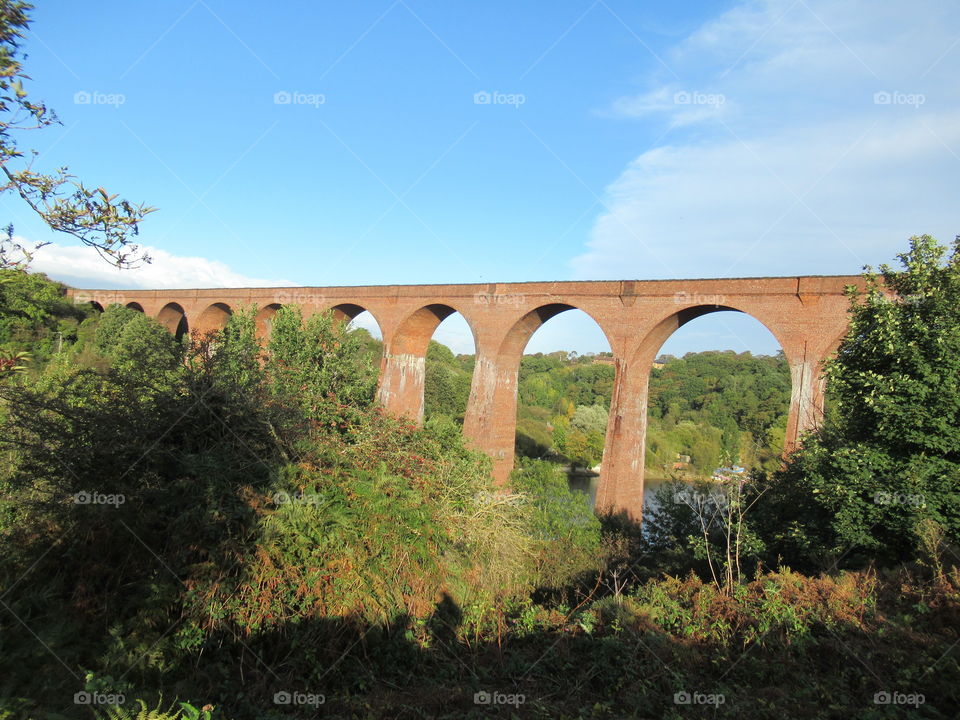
point(186, 712)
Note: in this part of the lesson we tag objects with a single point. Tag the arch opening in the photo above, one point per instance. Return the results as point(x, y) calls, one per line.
point(450, 357)
point(718, 398)
point(359, 318)
point(174, 319)
point(364, 323)
point(135, 306)
point(564, 386)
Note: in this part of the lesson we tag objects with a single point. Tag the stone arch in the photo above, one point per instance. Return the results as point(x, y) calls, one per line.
point(264, 320)
point(519, 334)
point(135, 306)
point(96, 306)
point(662, 331)
point(492, 411)
point(622, 479)
point(345, 312)
point(214, 318)
point(348, 312)
point(401, 386)
point(173, 317)
point(414, 333)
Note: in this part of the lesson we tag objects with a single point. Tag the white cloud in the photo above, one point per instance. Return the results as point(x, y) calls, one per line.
point(683, 106)
point(82, 267)
point(845, 141)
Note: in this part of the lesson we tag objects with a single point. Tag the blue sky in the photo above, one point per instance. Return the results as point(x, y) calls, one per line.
point(321, 143)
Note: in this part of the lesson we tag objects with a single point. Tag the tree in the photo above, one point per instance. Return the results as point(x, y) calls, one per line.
point(319, 366)
point(35, 315)
point(92, 215)
point(886, 460)
point(446, 386)
point(590, 418)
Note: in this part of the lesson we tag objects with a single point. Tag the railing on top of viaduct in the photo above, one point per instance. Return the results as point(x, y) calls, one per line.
point(807, 315)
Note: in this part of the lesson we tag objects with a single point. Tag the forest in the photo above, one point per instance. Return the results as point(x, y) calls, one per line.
point(716, 408)
point(228, 527)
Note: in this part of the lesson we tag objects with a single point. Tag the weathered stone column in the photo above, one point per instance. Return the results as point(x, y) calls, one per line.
point(806, 396)
point(490, 424)
point(621, 475)
point(400, 387)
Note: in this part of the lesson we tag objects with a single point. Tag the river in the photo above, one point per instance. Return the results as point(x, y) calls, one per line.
point(587, 483)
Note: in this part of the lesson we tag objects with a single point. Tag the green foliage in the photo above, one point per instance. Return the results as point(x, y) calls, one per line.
point(244, 493)
point(327, 372)
point(36, 317)
point(12, 362)
point(886, 459)
point(708, 523)
point(143, 712)
point(717, 407)
point(562, 521)
point(590, 418)
point(446, 383)
point(554, 382)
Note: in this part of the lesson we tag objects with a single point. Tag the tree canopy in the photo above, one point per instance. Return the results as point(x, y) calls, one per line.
point(885, 463)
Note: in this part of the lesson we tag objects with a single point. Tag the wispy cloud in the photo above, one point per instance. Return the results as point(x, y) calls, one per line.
point(683, 106)
point(82, 267)
point(838, 137)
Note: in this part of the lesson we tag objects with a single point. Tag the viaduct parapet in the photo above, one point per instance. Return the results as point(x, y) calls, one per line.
point(807, 315)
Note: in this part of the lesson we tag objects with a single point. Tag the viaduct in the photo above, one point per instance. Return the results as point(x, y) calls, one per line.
point(807, 315)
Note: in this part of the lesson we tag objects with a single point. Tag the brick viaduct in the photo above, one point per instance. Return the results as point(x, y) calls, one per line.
point(807, 316)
